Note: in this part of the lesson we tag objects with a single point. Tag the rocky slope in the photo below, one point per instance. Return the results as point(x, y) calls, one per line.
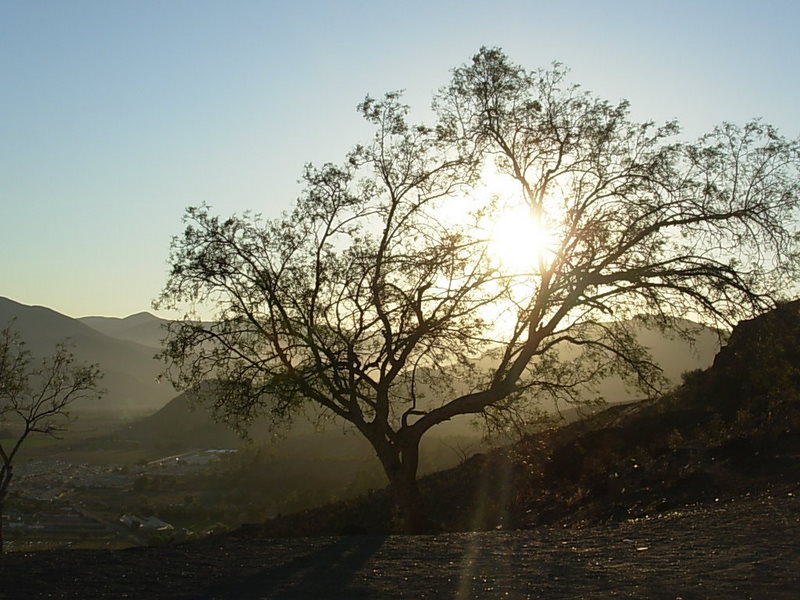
point(729, 430)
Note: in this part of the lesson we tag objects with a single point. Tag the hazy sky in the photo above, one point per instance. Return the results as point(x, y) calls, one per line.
point(115, 116)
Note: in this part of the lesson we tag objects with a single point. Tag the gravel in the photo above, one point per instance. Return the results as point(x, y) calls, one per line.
point(748, 547)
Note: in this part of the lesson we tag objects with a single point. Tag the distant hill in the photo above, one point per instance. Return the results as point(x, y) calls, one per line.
point(675, 354)
point(672, 353)
point(184, 424)
point(130, 369)
point(143, 328)
point(125, 347)
point(179, 426)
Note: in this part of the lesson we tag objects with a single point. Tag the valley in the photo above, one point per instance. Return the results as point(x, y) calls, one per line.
point(698, 487)
point(174, 473)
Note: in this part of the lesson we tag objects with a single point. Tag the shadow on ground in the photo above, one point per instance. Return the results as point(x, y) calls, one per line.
point(329, 569)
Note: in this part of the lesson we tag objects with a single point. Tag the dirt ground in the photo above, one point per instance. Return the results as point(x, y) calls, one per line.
point(748, 547)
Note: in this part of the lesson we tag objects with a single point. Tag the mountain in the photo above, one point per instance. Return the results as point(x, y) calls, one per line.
point(674, 354)
point(179, 426)
point(130, 369)
point(143, 328)
point(124, 348)
point(184, 424)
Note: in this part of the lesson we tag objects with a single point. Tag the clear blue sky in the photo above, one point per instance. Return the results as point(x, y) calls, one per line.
point(115, 116)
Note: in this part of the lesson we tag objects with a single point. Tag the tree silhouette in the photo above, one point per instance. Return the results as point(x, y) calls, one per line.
point(370, 304)
point(34, 399)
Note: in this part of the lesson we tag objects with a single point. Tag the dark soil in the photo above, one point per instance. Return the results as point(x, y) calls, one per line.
point(746, 547)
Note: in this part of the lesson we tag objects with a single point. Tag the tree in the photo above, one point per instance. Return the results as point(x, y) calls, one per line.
point(35, 399)
point(370, 303)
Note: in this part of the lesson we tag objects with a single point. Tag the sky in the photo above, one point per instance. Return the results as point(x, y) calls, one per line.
point(116, 116)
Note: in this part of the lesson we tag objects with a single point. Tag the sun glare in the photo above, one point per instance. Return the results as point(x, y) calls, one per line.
point(520, 241)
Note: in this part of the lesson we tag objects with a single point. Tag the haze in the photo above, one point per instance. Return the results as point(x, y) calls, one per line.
point(116, 116)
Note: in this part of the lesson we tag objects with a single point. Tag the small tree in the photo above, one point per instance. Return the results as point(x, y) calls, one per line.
point(368, 297)
point(35, 399)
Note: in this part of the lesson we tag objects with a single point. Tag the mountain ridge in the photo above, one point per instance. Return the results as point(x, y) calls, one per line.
point(125, 348)
point(142, 327)
point(130, 369)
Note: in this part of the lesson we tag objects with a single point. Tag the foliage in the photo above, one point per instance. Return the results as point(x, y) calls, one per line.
point(368, 305)
point(649, 458)
point(34, 399)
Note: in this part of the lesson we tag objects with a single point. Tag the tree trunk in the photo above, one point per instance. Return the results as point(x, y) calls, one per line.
point(400, 465)
point(408, 501)
point(6, 472)
point(1, 525)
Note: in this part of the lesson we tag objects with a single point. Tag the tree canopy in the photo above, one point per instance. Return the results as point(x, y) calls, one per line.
point(35, 398)
point(379, 298)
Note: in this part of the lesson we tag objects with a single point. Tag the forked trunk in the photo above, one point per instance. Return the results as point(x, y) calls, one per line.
point(400, 465)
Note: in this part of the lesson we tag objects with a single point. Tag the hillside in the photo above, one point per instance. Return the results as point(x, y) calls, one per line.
point(729, 431)
point(743, 549)
point(303, 459)
point(130, 369)
point(181, 420)
point(179, 426)
point(125, 349)
point(694, 495)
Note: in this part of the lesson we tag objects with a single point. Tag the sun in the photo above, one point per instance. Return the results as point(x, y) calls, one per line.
point(519, 245)
point(518, 242)
point(521, 242)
